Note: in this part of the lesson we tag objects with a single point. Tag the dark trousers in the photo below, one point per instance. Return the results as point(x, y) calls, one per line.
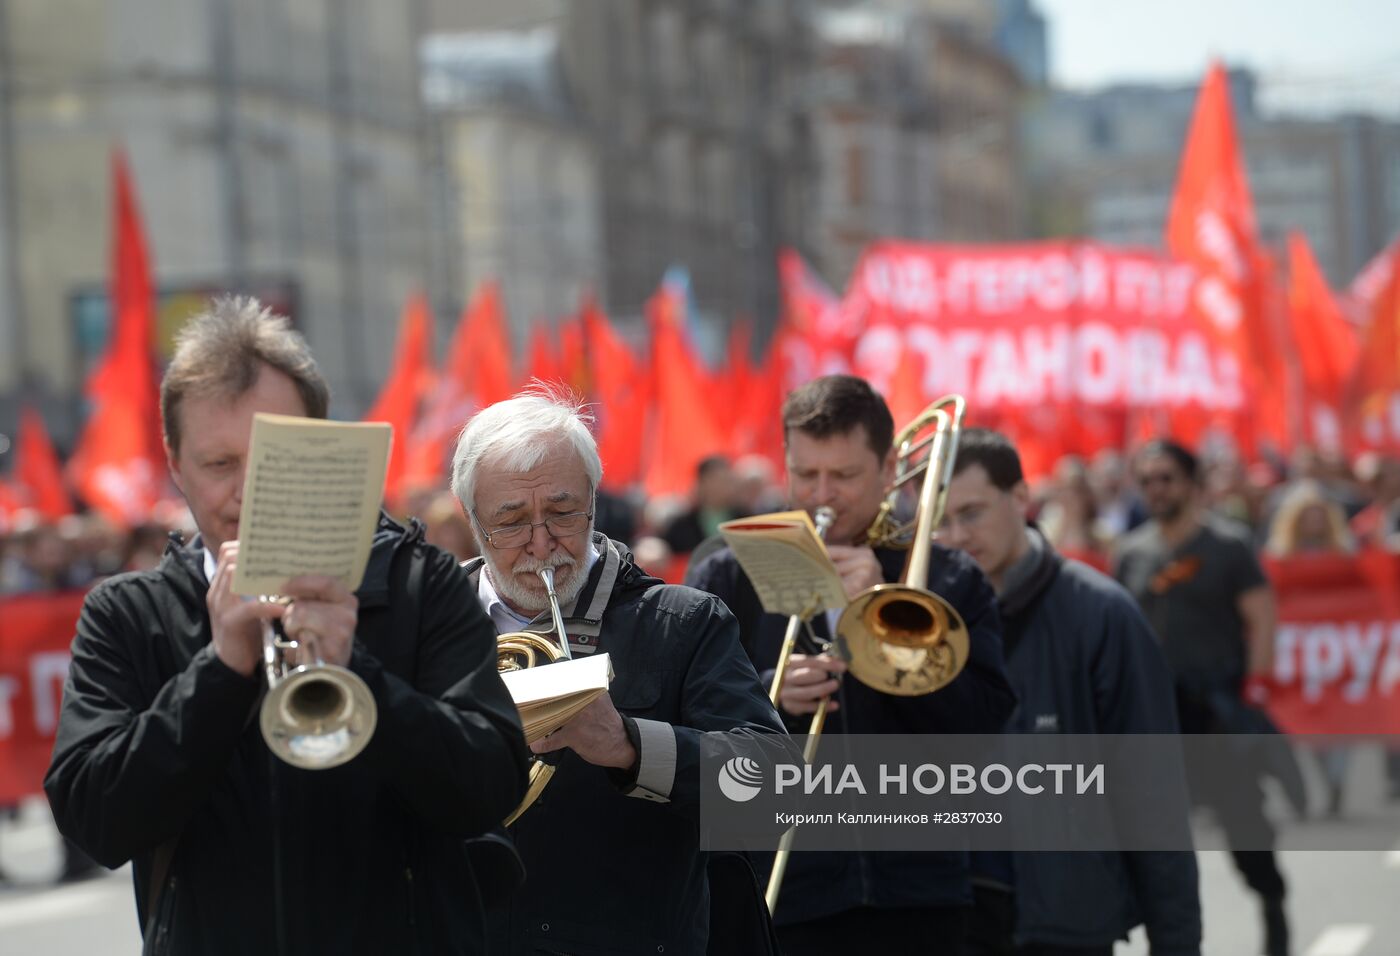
point(928, 930)
point(1237, 801)
point(992, 929)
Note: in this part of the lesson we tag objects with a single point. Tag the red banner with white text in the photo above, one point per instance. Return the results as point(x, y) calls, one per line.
point(1337, 646)
point(35, 632)
point(1068, 346)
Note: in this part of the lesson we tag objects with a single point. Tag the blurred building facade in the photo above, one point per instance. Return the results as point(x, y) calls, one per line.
point(1015, 29)
point(275, 147)
point(916, 120)
point(875, 133)
point(515, 181)
point(700, 140)
point(1104, 164)
point(699, 114)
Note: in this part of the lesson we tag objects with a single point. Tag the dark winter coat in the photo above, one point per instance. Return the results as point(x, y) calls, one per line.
point(614, 864)
point(159, 750)
point(1083, 660)
point(979, 700)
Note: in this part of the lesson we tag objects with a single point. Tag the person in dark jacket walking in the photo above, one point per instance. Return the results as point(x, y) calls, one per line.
point(839, 434)
point(611, 848)
point(1082, 660)
point(159, 758)
point(1199, 584)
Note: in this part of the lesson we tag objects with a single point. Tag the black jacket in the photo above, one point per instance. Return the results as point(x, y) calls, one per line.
point(1083, 660)
point(979, 700)
point(613, 867)
point(158, 742)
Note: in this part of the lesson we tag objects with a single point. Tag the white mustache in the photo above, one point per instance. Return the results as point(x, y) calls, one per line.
point(529, 565)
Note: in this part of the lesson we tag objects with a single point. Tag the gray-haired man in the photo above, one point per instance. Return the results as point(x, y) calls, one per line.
point(611, 848)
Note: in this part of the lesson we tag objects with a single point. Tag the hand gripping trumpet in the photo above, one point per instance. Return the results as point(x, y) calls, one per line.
point(316, 715)
point(521, 649)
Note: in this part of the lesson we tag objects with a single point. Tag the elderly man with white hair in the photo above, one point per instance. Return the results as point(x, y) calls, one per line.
point(612, 847)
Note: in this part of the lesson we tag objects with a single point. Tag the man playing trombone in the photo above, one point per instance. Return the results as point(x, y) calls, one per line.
point(611, 848)
point(838, 434)
point(160, 759)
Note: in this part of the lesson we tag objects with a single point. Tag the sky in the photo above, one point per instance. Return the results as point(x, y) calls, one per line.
point(1310, 55)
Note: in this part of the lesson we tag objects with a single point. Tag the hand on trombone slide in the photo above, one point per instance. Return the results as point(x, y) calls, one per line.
point(809, 679)
point(858, 567)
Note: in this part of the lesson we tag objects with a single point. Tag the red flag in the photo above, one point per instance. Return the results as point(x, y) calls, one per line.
point(759, 427)
point(1212, 226)
point(542, 363)
point(1325, 342)
point(1379, 369)
point(573, 353)
point(118, 463)
point(476, 373)
point(9, 504)
point(1373, 278)
point(906, 398)
point(615, 381)
point(815, 336)
point(1373, 302)
point(408, 380)
point(38, 476)
point(683, 429)
point(729, 387)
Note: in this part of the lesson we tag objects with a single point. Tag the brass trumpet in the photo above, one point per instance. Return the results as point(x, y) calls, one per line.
point(314, 716)
point(521, 649)
point(904, 639)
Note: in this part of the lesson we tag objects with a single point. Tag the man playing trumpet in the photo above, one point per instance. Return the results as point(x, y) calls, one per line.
point(160, 759)
point(611, 847)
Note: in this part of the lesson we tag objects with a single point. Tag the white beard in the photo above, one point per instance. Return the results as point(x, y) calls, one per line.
point(569, 579)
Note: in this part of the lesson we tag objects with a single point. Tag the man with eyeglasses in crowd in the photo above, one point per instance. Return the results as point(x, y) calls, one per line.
point(1201, 588)
point(1082, 660)
point(611, 848)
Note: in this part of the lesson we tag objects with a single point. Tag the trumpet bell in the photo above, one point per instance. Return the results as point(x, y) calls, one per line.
point(318, 716)
point(902, 640)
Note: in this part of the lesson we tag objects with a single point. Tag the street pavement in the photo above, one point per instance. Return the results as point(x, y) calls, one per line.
point(1341, 903)
point(90, 917)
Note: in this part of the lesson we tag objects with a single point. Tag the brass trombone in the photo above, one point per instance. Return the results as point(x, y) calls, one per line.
point(904, 639)
point(900, 639)
point(824, 517)
point(314, 716)
point(519, 650)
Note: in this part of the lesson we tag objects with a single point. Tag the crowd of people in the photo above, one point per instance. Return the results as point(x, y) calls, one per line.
point(158, 759)
point(1311, 504)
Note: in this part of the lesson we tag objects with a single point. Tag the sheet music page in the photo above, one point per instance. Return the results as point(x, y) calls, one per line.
point(786, 562)
point(551, 695)
point(311, 499)
point(533, 685)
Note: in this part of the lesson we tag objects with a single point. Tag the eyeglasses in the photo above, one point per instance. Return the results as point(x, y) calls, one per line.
point(515, 535)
